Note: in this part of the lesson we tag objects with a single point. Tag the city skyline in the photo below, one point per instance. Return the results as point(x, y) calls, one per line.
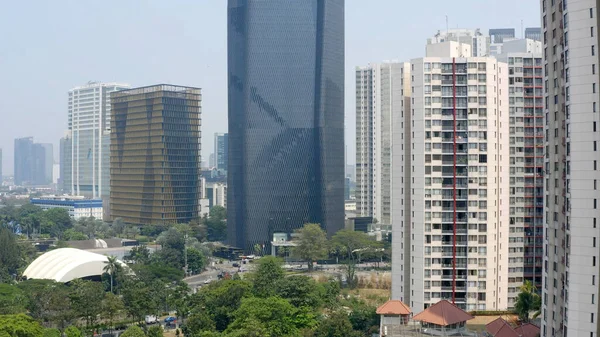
point(208, 68)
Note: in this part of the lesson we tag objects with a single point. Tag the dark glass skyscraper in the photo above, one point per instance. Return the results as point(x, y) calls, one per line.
point(286, 117)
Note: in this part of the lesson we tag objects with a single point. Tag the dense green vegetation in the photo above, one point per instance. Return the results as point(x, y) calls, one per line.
point(266, 302)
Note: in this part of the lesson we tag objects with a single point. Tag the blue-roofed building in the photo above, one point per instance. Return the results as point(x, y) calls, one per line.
point(77, 207)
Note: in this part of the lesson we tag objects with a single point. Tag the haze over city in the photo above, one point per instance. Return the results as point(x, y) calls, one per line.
point(51, 47)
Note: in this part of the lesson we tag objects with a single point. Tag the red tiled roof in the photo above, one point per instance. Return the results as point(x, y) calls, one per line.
point(500, 328)
point(443, 313)
point(528, 330)
point(393, 307)
point(494, 326)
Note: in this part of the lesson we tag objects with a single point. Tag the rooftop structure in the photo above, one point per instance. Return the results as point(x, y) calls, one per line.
point(78, 207)
point(67, 264)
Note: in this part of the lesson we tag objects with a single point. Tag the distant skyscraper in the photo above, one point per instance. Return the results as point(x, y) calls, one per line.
point(48, 162)
point(378, 98)
point(0, 167)
point(30, 162)
point(498, 35)
point(23, 162)
point(221, 151)
point(155, 154)
point(534, 33)
point(286, 117)
point(88, 140)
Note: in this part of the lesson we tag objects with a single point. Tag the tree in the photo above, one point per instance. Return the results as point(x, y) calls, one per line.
point(216, 225)
point(220, 299)
point(138, 299)
point(112, 305)
point(276, 315)
point(267, 274)
point(527, 301)
point(363, 317)
point(138, 254)
point(10, 255)
point(336, 324)
point(73, 331)
point(48, 301)
point(20, 325)
point(51, 332)
point(56, 221)
point(196, 261)
point(12, 300)
point(118, 226)
point(133, 331)
point(172, 244)
point(311, 244)
point(349, 245)
point(155, 331)
point(198, 322)
point(87, 297)
point(111, 265)
point(300, 291)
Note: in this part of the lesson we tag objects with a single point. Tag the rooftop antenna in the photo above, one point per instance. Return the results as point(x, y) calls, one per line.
point(522, 31)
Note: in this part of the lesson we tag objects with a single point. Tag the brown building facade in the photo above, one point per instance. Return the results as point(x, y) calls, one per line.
point(155, 154)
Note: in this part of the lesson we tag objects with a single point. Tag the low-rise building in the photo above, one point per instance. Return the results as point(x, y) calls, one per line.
point(78, 207)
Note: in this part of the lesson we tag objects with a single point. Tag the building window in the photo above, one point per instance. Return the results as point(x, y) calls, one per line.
point(593, 51)
point(591, 13)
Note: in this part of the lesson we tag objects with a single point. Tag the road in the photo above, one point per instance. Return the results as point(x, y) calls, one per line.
point(211, 274)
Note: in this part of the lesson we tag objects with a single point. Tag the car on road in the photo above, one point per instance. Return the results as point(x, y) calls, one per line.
point(170, 319)
point(235, 264)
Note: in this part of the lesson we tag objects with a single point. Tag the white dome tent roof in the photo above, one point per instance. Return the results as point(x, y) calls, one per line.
point(67, 264)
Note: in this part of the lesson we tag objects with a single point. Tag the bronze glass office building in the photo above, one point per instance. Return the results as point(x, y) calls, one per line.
point(155, 154)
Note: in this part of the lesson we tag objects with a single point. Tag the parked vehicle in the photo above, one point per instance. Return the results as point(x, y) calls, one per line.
point(170, 319)
point(151, 319)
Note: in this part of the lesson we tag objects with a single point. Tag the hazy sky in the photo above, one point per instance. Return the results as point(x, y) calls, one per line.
point(48, 47)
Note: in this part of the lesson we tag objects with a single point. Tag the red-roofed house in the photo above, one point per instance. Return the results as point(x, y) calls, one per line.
point(394, 314)
point(443, 319)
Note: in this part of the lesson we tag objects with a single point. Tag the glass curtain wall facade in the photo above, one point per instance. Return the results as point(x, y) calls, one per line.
point(155, 155)
point(286, 117)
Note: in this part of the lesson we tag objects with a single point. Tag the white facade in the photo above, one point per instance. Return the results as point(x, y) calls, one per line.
point(526, 120)
point(479, 43)
point(88, 139)
point(432, 166)
point(571, 266)
point(375, 106)
point(77, 207)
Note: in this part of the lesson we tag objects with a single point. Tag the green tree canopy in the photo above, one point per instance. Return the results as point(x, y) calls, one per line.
point(73, 331)
point(300, 291)
point(311, 244)
point(267, 273)
point(274, 315)
point(196, 260)
point(20, 325)
point(10, 255)
point(336, 324)
point(155, 331)
point(349, 244)
point(133, 331)
point(528, 301)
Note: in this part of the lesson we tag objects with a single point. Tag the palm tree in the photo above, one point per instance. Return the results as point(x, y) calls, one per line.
point(527, 301)
point(111, 265)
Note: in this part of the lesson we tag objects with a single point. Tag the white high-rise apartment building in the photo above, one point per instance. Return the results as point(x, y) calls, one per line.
point(526, 122)
point(87, 142)
point(376, 91)
point(450, 178)
point(570, 293)
point(479, 42)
